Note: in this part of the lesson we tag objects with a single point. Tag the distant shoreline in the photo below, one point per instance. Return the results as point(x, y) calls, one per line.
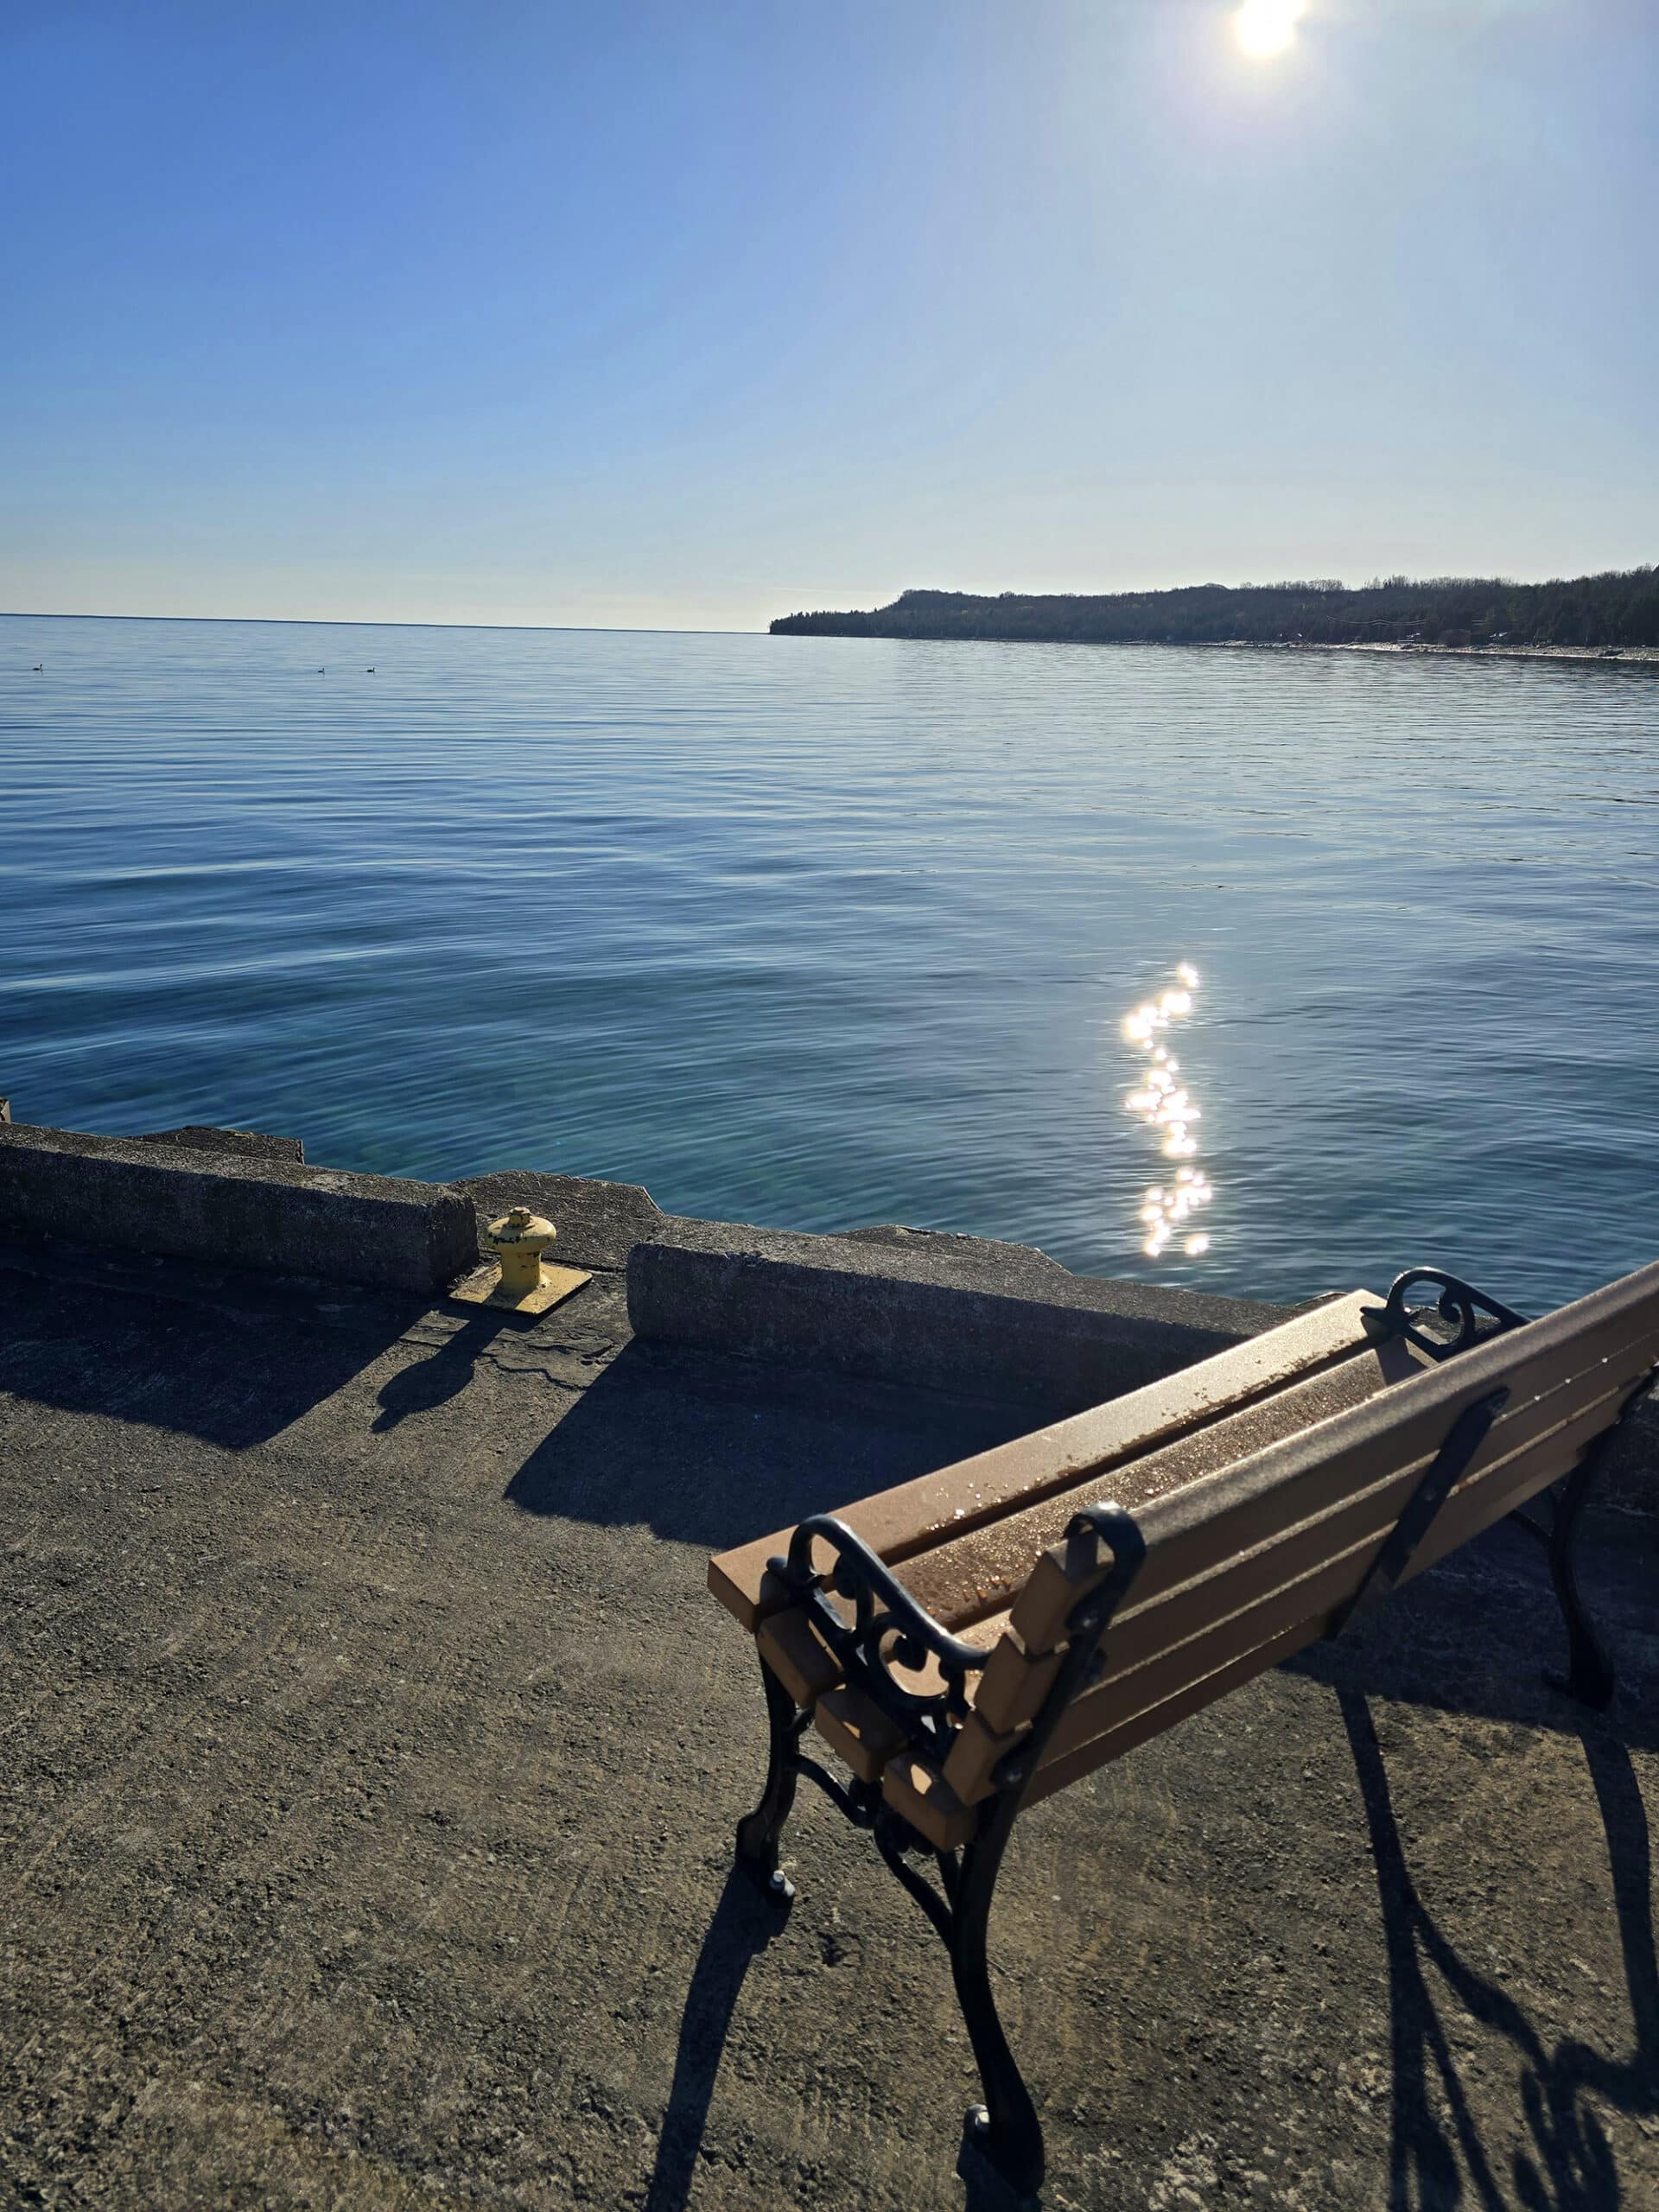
point(1643, 656)
point(1610, 616)
point(1629, 656)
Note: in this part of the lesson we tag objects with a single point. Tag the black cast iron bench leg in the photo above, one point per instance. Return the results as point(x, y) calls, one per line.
point(1005, 2129)
point(759, 1830)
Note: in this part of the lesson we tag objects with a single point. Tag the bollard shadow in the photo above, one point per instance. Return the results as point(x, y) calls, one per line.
point(1437, 2157)
point(744, 1923)
point(428, 1383)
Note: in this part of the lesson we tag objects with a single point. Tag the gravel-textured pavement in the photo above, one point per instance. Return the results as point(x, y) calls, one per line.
point(370, 1752)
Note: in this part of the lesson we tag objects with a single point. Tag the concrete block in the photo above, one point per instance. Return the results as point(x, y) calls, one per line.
point(247, 1144)
point(922, 1315)
point(1007, 1264)
point(232, 1210)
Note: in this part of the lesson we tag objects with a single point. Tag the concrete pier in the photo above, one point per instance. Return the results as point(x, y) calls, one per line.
point(373, 1751)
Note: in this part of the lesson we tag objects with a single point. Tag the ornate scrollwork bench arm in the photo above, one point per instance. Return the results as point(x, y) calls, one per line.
point(1460, 1305)
point(889, 1636)
point(888, 1630)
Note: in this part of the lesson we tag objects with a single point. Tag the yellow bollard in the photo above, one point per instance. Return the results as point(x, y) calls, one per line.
point(518, 1280)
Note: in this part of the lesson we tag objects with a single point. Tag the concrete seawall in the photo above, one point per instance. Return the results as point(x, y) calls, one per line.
point(964, 1317)
point(943, 1313)
point(234, 1207)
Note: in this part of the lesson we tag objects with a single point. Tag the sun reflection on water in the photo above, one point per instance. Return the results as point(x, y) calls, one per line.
point(1167, 1106)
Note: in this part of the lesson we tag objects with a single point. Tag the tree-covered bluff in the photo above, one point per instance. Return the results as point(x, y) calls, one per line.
point(1620, 607)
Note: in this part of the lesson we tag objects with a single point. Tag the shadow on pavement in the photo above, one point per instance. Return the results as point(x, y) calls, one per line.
point(1477, 1633)
point(1437, 2160)
point(444, 1374)
point(714, 1452)
point(232, 1373)
point(744, 1923)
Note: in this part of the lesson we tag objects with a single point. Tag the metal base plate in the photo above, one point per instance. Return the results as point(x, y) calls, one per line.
point(483, 1287)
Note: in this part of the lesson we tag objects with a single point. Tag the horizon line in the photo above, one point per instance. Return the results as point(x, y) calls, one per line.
point(359, 622)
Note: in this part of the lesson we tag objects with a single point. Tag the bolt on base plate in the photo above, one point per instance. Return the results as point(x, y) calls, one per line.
point(483, 1287)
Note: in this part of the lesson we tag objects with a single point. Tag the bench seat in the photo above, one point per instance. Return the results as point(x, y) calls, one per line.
point(937, 1510)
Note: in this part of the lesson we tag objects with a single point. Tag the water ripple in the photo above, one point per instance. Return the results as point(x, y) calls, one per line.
point(824, 931)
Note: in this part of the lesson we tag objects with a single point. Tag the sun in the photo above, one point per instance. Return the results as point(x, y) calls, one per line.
point(1266, 28)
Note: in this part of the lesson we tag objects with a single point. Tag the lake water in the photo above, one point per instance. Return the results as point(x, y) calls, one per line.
point(816, 931)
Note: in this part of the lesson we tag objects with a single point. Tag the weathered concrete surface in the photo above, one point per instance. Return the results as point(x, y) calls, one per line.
point(998, 1320)
point(987, 1254)
point(251, 1144)
point(372, 1750)
point(223, 1208)
point(966, 1315)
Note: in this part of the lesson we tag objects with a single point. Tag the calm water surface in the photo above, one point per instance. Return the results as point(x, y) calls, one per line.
point(821, 931)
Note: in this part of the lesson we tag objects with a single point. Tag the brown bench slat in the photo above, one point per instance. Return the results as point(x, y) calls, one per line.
point(1314, 1597)
point(954, 1500)
point(914, 1788)
point(853, 1725)
point(803, 1663)
point(1014, 1685)
point(1189, 1531)
point(1016, 1681)
point(1240, 1507)
point(1367, 1518)
point(1478, 1507)
point(984, 1572)
point(1157, 1719)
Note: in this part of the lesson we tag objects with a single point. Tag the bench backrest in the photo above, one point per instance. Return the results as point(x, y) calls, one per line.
point(1248, 1564)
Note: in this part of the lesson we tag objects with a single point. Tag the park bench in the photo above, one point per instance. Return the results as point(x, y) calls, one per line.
point(974, 1640)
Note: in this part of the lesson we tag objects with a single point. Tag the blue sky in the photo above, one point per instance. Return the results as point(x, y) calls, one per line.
point(691, 314)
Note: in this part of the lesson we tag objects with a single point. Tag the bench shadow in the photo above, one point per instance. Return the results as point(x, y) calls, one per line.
point(1437, 2161)
point(744, 1923)
point(714, 1452)
point(1477, 1632)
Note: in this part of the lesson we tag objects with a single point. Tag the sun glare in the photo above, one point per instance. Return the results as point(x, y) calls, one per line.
point(1265, 28)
